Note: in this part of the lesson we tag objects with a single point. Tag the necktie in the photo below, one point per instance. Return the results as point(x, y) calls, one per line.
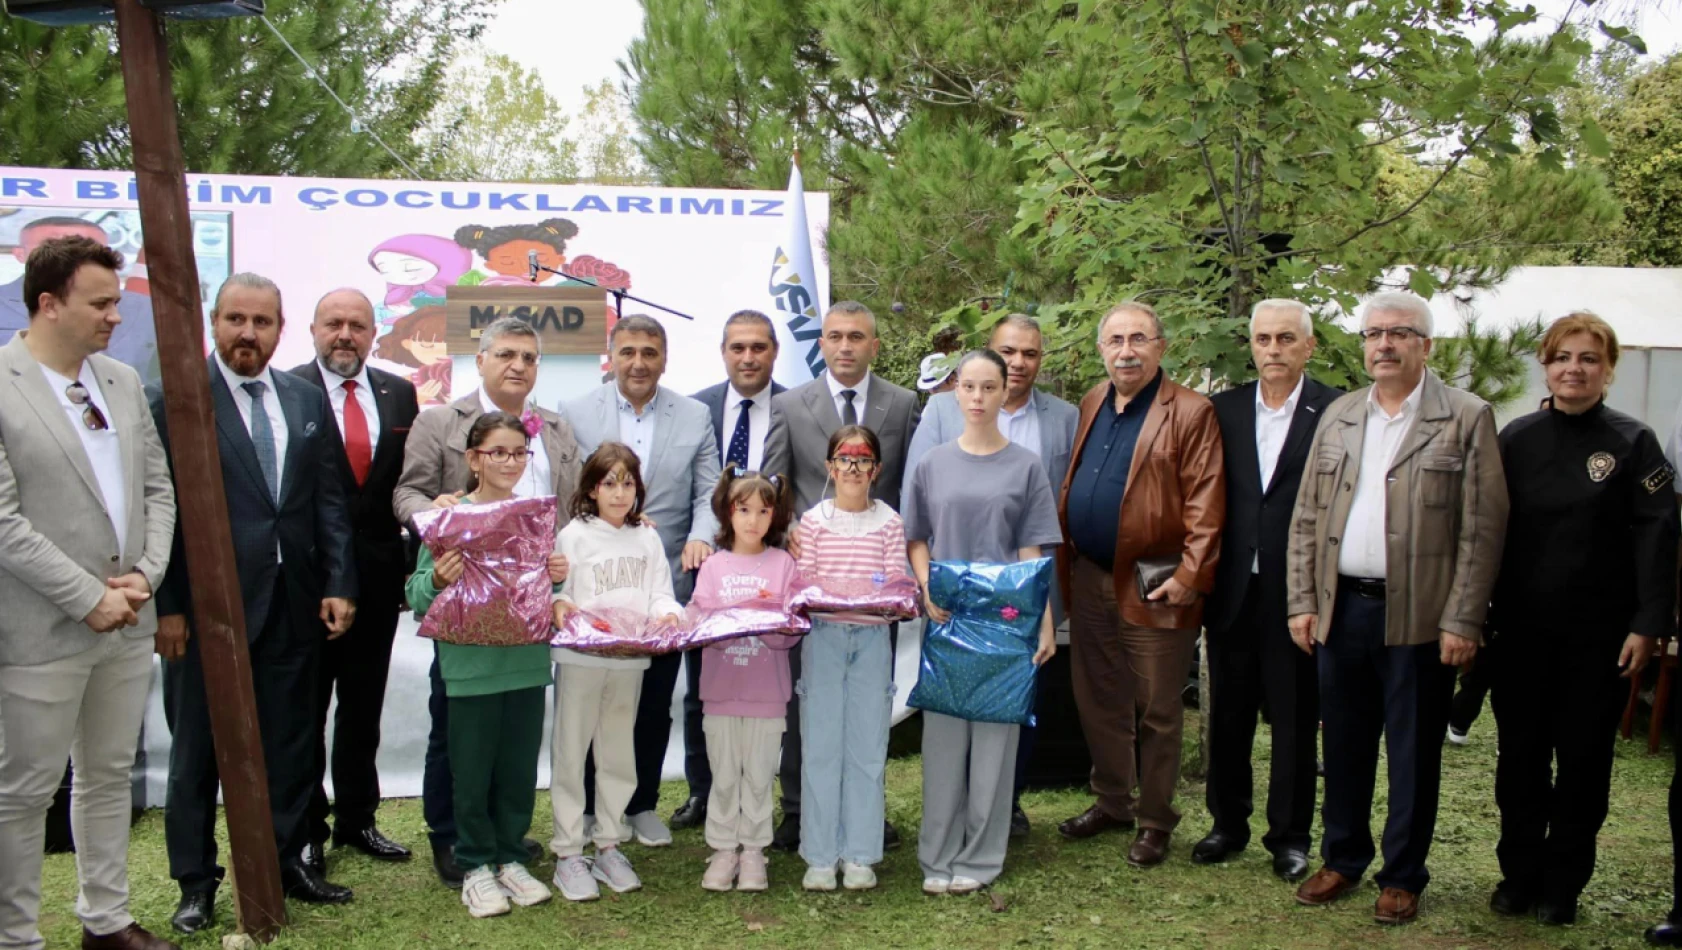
point(849, 415)
point(737, 453)
point(358, 448)
point(262, 437)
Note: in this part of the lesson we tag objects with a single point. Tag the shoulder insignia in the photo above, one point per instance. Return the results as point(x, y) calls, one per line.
point(1661, 476)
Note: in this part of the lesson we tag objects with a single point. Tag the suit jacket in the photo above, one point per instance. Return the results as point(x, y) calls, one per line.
point(382, 560)
point(57, 546)
point(713, 398)
point(679, 474)
point(435, 457)
point(1446, 501)
point(1258, 517)
point(134, 344)
point(310, 525)
point(1173, 505)
point(803, 419)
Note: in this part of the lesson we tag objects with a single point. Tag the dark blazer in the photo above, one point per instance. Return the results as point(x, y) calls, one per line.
point(803, 419)
point(311, 524)
point(382, 560)
point(713, 398)
point(1258, 520)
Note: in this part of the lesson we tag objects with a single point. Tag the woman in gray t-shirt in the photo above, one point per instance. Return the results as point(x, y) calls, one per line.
point(977, 498)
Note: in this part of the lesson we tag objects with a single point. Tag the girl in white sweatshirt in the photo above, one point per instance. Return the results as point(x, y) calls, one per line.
point(617, 561)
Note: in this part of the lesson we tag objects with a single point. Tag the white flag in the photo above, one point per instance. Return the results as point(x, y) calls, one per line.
point(793, 286)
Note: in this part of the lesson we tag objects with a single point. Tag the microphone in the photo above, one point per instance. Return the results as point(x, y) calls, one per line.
point(531, 263)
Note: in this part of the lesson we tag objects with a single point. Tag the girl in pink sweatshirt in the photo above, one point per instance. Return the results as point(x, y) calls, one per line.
point(745, 682)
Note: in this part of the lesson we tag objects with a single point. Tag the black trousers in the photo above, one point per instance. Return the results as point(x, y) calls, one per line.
point(1369, 690)
point(1252, 664)
point(356, 666)
point(285, 657)
point(1558, 698)
point(697, 769)
point(651, 734)
point(1469, 697)
point(438, 799)
point(1676, 815)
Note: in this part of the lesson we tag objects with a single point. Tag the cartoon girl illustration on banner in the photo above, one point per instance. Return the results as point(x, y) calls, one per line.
point(507, 250)
point(416, 340)
point(418, 269)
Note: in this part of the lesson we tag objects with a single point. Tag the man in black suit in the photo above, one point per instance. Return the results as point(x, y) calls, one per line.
point(373, 411)
point(741, 411)
point(1266, 429)
point(282, 475)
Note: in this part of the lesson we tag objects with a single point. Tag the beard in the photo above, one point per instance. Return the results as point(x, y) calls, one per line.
point(345, 363)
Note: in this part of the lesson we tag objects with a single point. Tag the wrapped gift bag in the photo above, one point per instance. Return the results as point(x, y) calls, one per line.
point(617, 632)
point(502, 596)
point(894, 596)
point(979, 664)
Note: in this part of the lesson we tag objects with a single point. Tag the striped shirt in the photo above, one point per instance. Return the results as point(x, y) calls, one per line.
point(852, 545)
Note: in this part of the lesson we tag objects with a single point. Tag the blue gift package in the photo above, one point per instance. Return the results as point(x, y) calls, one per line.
point(979, 664)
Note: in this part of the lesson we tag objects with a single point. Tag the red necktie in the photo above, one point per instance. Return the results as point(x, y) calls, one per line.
point(357, 446)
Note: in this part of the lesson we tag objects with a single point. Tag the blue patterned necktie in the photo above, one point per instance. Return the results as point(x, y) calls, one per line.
point(262, 437)
point(737, 454)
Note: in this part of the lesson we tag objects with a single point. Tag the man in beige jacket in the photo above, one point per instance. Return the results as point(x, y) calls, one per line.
point(1395, 544)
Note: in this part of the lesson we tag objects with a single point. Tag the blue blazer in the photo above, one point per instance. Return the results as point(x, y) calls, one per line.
point(713, 398)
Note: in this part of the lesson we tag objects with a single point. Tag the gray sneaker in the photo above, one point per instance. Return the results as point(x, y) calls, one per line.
point(649, 830)
point(574, 881)
point(614, 869)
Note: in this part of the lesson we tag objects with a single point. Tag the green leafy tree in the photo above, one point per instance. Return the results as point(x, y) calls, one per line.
point(1644, 132)
point(246, 104)
point(605, 135)
point(496, 122)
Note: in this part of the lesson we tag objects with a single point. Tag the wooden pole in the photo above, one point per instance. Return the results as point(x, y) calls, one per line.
point(218, 612)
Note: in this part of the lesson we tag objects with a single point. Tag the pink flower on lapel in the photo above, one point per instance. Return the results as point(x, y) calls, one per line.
point(532, 422)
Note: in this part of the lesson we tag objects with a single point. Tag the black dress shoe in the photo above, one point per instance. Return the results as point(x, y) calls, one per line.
point(315, 856)
point(692, 814)
point(1556, 913)
point(302, 883)
point(1019, 827)
point(369, 841)
point(1511, 900)
point(1289, 864)
point(450, 873)
point(787, 836)
point(890, 835)
point(1666, 934)
point(1216, 847)
point(196, 911)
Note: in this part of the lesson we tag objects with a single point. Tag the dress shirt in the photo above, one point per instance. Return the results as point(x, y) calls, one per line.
point(1022, 427)
point(859, 391)
point(537, 482)
point(1099, 484)
point(364, 397)
point(637, 429)
point(1272, 426)
point(759, 424)
point(1363, 552)
point(103, 447)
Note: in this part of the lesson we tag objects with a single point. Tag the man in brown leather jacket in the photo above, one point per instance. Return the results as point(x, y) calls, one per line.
point(1143, 503)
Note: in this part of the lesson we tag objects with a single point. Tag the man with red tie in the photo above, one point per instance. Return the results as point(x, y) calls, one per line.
point(374, 411)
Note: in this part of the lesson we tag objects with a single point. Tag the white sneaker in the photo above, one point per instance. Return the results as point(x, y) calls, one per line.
point(819, 879)
point(572, 876)
point(936, 886)
point(481, 894)
point(750, 874)
point(649, 830)
point(521, 887)
point(614, 869)
point(721, 871)
point(963, 885)
point(1457, 737)
point(857, 877)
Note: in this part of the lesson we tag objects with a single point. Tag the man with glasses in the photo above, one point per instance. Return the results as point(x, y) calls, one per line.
point(435, 474)
point(1395, 544)
point(1142, 508)
point(87, 514)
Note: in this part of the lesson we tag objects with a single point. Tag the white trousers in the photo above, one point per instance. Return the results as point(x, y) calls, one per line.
point(593, 705)
point(86, 708)
point(743, 754)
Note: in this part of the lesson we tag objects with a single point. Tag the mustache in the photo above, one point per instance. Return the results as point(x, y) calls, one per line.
point(1127, 362)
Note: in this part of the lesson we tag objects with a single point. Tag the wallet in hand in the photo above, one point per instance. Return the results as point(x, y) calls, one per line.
point(1153, 572)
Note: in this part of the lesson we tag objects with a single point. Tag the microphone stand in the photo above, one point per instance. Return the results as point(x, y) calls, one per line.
point(619, 296)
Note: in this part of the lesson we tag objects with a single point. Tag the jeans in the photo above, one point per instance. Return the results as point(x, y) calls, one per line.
point(846, 704)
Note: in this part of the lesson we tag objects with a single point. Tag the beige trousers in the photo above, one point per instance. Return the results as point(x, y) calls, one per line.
point(744, 754)
point(595, 706)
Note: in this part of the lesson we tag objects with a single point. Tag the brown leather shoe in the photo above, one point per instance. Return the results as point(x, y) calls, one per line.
point(1396, 906)
point(132, 937)
point(1091, 823)
point(1149, 849)
point(1324, 887)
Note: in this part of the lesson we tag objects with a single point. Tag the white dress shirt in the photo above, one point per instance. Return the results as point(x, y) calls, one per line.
point(1363, 552)
point(364, 397)
point(637, 429)
point(835, 387)
point(1022, 427)
point(537, 482)
point(271, 403)
point(1272, 425)
point(759, 424)
point(103, 447)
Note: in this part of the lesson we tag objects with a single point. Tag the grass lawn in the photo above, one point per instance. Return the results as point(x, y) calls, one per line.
point(1053, 892)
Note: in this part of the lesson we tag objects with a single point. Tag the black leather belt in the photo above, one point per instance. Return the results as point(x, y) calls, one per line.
point(1371, 588)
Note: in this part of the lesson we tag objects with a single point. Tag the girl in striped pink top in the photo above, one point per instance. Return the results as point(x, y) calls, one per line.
point(846, 682)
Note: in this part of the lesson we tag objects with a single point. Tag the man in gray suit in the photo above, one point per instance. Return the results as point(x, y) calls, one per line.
point(1037, 421)
point(672, 436)
point(802, 420)
point(435, 476)
point(87, 513)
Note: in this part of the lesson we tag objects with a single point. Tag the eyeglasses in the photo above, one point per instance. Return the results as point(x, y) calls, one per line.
point(504, 456)
point(1137, 340)
point(508, 356)
point(854, 463)
point(1395, 334)
point(91, 416)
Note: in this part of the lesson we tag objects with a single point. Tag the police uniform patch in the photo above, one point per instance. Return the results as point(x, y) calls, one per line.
point(1662, 476)
point(1601, 465)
